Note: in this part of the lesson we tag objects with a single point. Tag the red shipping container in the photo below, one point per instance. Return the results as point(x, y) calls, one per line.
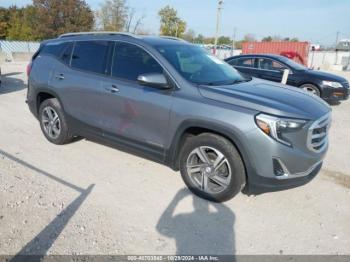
point(298, 51)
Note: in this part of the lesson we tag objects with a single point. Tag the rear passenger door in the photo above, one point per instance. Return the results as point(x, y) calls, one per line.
point(80, 84)
point(134, 114)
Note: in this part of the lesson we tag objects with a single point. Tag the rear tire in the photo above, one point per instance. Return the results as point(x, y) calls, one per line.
point(211, 167)
point(53, 122)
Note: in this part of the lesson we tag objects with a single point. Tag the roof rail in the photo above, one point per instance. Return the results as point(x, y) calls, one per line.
point(98, 33)
point(172, 38)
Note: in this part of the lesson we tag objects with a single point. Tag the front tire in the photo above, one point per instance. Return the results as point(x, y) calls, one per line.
point(53, 122)
point(211, 167)
point(312, 89)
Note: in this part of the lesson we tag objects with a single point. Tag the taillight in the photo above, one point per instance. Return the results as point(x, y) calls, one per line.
point(29, 68)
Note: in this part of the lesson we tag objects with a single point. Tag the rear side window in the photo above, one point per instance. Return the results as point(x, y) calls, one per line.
point(130, 61)
point(61, 51)
point(91, 56)
point(67, 53)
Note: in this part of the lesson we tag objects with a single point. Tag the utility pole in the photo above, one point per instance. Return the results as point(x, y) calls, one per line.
point(234, 40)
point(218, 16)
point(336, 51)
point(177, 28)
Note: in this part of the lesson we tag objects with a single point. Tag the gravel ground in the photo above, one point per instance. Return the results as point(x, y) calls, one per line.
point(85, 198)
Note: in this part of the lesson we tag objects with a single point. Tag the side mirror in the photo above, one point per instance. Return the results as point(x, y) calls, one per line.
point(154, 80)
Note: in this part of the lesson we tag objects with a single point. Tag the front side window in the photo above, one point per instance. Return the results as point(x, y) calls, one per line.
point(245, 62)
point(131, 61)
point(198, 66)
point(91, 56)
point(269, 64)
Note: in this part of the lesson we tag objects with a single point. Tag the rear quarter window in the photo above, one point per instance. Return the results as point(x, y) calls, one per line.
point(61, 51)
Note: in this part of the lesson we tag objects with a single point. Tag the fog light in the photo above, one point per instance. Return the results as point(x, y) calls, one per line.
point(277, 168)
point(338, 94)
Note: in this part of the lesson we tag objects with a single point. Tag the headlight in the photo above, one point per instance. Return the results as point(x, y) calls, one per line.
point(276, 127)
point(332, 84)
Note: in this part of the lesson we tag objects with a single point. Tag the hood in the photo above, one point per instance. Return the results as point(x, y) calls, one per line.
point(269, 97)
point(325, 76)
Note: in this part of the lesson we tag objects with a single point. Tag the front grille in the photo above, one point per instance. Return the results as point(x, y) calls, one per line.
point(346, 84)
point(318, 134)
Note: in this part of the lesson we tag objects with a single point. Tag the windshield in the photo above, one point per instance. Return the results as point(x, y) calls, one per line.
point(200, 67)
point(293, 64)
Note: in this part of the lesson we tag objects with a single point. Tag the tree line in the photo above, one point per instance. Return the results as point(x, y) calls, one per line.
point(45, 19)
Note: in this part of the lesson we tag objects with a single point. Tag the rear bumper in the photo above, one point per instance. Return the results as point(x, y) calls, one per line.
point(32, 107)
point(259, 185)
point(335, 94)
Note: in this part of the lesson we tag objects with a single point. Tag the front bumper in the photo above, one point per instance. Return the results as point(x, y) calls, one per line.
point(275, 166)
point(259, 185)
point(335, 94)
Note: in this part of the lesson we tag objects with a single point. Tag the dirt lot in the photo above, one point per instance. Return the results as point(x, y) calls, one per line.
point(85, 198)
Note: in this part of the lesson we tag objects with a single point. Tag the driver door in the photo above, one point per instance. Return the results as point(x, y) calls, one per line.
point(270, 69)
point(134, 114)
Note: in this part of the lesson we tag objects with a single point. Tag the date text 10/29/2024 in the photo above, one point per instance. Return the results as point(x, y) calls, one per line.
point(173, 258)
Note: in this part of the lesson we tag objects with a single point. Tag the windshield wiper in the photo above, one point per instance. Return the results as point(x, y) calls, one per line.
point(238, 81)
point(223, 83)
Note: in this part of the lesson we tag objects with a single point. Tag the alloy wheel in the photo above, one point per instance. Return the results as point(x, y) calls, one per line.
point(311, 89)
point(51, 122)
point(209, 169)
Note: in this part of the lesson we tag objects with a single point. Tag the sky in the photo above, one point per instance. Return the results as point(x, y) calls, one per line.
point(317, 21)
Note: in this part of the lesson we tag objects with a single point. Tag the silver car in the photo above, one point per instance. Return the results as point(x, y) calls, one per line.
point(172, 102)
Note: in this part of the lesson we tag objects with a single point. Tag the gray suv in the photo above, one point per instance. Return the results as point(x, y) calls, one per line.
point(174, 103)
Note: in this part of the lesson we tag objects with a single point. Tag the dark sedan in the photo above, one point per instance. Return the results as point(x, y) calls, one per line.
point(271, 67)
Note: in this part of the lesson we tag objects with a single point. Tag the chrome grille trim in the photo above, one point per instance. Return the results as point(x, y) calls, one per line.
point(317, 139)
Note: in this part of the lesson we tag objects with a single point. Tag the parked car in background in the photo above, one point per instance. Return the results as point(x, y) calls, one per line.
point(328, 86)
point(172, 102)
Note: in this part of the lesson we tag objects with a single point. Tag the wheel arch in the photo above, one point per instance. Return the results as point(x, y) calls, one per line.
point(311, 83)
point(42, 95)
point(193, 127)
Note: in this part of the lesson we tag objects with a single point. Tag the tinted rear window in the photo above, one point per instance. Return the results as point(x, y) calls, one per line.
point(60, 51)
point(91, 56)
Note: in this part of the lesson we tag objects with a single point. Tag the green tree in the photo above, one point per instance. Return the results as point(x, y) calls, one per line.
point(170, 23)
point(21, 24)
point(209, 40)
point(224, 40)
point(238, 44)
point(4, 22)
point(55, 17)
point(113, 15)
point(267, 39)
point(199, 39)
point(189, 36)
point(249, 38)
